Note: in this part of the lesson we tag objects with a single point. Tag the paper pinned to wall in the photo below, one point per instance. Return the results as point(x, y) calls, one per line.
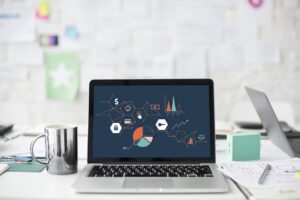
point(137, 8)
point(191, 63)
point(88, 73)
point(62, 75)
point(160, 67)
point(225, 57)
point(24, 53)
point(13, 72)
point(255, 12)
point(150, 43)
point(17, 21)
point(112, 36)
point(199, 35)
point(261, 53)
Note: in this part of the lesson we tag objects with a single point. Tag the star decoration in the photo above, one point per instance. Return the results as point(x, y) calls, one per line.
point(61, 76)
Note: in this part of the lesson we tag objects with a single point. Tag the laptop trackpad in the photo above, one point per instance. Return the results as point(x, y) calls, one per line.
point(148, 183)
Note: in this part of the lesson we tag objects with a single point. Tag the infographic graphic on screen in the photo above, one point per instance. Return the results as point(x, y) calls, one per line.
point(151, 121)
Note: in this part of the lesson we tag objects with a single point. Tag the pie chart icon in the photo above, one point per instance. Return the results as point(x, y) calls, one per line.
point(142, 136)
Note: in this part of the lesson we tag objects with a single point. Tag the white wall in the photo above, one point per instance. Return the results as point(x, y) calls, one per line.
point(226, 40)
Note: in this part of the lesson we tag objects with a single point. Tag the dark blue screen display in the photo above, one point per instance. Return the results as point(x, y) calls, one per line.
point(165, 121)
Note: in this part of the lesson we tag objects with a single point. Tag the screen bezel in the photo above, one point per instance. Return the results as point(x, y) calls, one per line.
point(140, 82)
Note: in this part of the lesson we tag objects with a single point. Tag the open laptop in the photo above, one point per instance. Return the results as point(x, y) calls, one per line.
point(269, 120)
point(151, 136)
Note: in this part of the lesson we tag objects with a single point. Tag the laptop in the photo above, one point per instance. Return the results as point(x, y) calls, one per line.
point(151, 136)
point(269, 120)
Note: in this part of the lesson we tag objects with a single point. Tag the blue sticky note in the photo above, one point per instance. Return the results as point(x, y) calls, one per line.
point(71, 32)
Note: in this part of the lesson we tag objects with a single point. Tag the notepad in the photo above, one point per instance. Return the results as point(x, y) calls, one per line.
point(26, 167)
point(282, 173)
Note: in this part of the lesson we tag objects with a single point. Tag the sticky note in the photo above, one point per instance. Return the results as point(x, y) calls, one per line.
point(71, 32)
point(297, 175)
point(243, 146)
point(43, 10)
point(62, 75)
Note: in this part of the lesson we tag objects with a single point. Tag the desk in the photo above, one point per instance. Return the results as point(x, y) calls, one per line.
point(25, 185)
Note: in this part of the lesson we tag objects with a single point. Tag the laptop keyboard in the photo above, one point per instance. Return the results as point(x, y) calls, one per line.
point(150, 171)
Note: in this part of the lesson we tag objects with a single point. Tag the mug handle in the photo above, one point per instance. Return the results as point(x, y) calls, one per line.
point(32, 153)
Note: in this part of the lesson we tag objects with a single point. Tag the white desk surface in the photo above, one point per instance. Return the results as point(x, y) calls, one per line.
point(27, 185)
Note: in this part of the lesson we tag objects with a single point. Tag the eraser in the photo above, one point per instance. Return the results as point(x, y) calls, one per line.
point(243, 146)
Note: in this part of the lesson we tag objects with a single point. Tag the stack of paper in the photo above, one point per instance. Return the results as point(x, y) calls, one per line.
point(281, 181)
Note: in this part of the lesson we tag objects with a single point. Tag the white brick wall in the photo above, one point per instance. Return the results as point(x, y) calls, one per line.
point(116, 36)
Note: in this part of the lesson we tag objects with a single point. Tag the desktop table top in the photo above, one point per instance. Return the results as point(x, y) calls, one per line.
point(27, 185)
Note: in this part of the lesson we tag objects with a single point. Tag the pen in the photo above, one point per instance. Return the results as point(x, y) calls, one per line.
point(264, 174)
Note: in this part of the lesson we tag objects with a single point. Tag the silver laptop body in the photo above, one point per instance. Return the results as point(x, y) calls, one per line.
point(269, 120)
point(166, 126)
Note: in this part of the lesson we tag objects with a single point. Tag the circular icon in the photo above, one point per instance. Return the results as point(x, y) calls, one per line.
point(142, 136)
point(127, 108)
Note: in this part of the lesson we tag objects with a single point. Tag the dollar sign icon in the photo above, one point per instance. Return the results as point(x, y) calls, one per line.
point(116, 101)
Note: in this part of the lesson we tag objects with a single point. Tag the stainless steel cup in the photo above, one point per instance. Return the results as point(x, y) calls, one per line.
point(60, 147)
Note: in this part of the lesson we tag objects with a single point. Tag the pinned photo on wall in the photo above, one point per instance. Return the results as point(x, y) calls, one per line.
point(255, 12)
point(43, 10)
point(62, 75)
point(17, 21)
point(49, 40)
point(71, 32)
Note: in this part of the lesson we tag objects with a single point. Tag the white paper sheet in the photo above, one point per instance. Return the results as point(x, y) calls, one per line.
point(17, 21)
point(25, 53)
point(137, 8)
point(162, 67)
point(191, 63)
point(150, 43)
point(261, 53)
point(13, 72)
point(282, 173)
point(193, 35)
point(88, 73)
point(225, 57)
point(250, 15)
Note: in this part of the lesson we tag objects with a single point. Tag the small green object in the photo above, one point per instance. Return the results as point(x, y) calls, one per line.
point(62, 75)
point(243, 146)
point(26, 167)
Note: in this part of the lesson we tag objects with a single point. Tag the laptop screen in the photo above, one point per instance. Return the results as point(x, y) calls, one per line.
point(148, 121)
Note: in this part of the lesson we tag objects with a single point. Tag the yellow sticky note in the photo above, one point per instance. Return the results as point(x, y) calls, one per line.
point(297, 175)
point(43, 9)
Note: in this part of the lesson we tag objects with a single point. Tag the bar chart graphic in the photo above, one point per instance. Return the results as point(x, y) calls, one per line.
point(171, 107)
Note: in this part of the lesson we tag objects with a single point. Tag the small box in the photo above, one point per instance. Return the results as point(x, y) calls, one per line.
point(243, 146)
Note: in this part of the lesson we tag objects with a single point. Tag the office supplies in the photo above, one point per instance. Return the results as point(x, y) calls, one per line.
point(3, 168)
point(243, 146)
point(18, 159)
point(26, 167)
point(269, 119)
point(247, 174)
point(281, 182)
point(264, 174)
point(148, 156)
point(61, 149)
point(22, 163)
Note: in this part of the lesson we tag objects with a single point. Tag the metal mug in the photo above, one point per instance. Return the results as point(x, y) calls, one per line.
point(60, 147)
